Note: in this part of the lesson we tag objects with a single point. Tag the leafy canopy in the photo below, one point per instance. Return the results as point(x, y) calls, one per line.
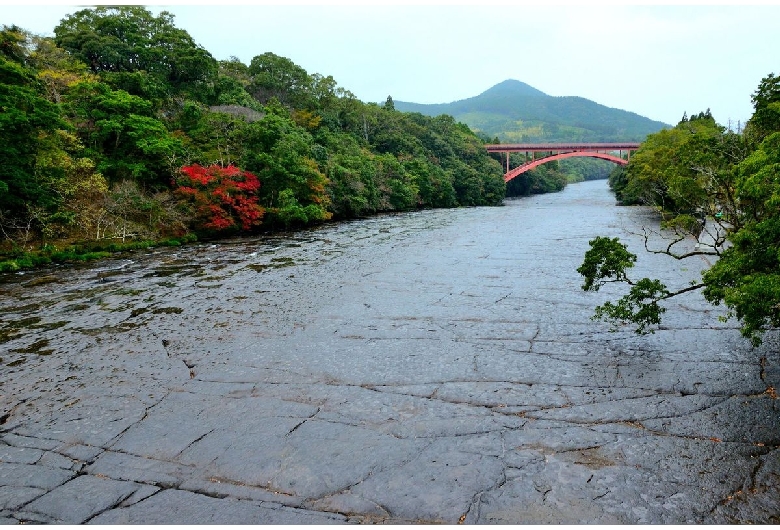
point(719, 188)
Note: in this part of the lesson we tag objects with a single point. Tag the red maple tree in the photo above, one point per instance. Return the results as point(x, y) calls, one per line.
point(223, 198)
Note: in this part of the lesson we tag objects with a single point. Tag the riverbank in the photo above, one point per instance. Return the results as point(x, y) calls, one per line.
point(81, 252)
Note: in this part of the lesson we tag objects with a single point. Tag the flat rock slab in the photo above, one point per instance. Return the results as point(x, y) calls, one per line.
point(79, 500)
point(183, 508)
point(427, 367)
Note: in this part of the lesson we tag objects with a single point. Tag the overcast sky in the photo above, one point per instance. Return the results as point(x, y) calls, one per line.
point(658, 61)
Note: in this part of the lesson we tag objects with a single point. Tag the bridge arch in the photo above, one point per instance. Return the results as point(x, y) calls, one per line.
point(536, 163)
point(550, 152)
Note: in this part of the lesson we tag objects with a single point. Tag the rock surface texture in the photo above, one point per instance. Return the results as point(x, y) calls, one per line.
point(430, 367)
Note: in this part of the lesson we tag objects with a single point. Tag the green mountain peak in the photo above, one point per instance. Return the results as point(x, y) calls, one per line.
point(512, 87)
point(514, 111)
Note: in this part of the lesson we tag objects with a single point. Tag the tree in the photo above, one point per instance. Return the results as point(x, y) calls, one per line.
point(708, 184)
point(219, 138)
point(13, 44)
point(766, 105)
point(351, 173)
point(56, 68)
point(73, 180)
point(435, 189)
point(746, 278)
point(324, 92)
point(223, 198)
point(136, 51)
point(607, 261)
point(121, 134)
point(279, 78)
point(231, 85)
point(282, 154)
point(26, 117)
point(397, 189)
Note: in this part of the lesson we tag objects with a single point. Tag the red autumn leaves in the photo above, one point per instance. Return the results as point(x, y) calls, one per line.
point(222, 198)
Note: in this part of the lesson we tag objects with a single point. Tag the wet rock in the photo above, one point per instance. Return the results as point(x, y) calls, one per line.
point(125, 467)
point(447, 480)
point(181, 507)
point(80, 499)
point(13, 497)
point(19, 455)
point(433, 366)
point(24, 475)
point(7, 520)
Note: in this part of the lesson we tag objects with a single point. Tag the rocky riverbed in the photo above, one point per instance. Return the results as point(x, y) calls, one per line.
point(435, 366)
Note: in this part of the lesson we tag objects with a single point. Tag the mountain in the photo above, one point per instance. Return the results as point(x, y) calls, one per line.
point(516, 112)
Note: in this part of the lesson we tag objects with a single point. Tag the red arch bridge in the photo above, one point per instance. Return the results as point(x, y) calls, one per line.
point(543, 153)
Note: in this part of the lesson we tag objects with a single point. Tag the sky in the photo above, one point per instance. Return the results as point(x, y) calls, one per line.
point(659, 61)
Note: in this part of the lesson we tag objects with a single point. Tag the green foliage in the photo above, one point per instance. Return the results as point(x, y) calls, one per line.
point(397, 189)
point(231, 84)
point(434, 185)
point(543, 179)
point(122, 42)
point(758, 181)
point(13, 44)
point(282, 155)
point(27, 118)
point(584, 169)
point(766, 109)
point(275, 77)
point(746, 278)
point(606, 261)
point(351, 172)
point(639, 306)
point(98, 121)
point(121, 134)
point(618, 181)
point(216, 137)
point(684, 170)
point(713, 183)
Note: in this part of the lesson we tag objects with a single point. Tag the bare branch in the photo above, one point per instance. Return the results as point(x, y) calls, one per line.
point(690, 288)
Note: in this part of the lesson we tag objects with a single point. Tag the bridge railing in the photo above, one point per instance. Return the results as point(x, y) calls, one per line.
point(529, 148)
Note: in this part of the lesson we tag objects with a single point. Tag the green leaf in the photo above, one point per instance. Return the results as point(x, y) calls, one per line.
point(639, 306)
point(606, 261)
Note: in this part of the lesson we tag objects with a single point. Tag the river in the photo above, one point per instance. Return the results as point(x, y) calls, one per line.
point(433, 366)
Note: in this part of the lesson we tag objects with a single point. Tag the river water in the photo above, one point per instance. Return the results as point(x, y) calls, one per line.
point(434, 366)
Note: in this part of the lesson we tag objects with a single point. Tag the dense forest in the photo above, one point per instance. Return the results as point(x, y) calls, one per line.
point(121, 128)
point(719, 186)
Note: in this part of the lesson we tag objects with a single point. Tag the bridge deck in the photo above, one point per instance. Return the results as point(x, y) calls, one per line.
point(529, 148)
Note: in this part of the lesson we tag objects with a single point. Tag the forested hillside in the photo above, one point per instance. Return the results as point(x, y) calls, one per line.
point(515, 112)
point(122, 128)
